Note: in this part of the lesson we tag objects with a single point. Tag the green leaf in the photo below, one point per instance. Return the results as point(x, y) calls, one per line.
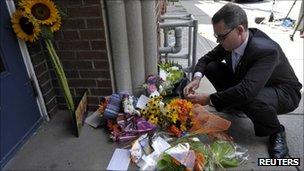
point(46, 32)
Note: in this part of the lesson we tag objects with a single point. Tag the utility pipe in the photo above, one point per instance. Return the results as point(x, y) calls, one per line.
point(178, 42)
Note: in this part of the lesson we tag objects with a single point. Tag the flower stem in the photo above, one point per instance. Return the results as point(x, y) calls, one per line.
point(60, 74)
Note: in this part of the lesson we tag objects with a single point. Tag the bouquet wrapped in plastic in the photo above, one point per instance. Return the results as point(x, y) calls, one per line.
point(170, 81)
point(192, 154)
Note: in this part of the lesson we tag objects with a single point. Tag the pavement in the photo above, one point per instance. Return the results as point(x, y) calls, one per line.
point(54, 147)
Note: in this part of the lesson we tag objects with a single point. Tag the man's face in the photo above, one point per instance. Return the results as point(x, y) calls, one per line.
point(229, 38)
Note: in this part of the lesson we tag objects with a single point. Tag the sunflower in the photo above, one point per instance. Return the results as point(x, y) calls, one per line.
point(43, 11)
point(56, 25)
point(24, 28)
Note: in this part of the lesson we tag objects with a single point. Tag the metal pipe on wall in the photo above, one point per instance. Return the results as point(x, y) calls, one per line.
point(119, 44)
point(136, 47)
point(149, 36)
point(178, 42)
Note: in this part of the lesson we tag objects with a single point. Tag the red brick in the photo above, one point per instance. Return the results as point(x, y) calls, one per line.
point(58, 35)
point(69, 2)
point(44, 78)
point(34, 47)
point(79, 91)
point(98, 45)
point(73, 24)
point(74, 45)
point(38, 58)
point(49, 95)
point(71, 35)
point(101, 54)
point(40, 68)
point(94, 74)
point(92, 34)
point(93, 100)
point(51, 104)
point(101, 92)
point(95, 23)
point(64, 55)
point(91, 2)
point(46, 87)
point(104, 65)
point(59, 91)
point(53, 110)
point(69, 64)
point(82, 83)
point(91, 11)
point(71, 74)
point(104, 83)
point(77, 64)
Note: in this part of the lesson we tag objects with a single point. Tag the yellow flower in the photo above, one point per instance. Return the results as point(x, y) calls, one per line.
point(24, 28)
point(153, 120)
point(56, 25)
point(43, 11)
point(183, 127)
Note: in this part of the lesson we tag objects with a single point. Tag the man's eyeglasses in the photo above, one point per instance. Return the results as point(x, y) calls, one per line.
point(222, 37)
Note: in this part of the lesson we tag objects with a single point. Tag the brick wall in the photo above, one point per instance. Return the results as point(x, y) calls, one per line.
point(39, 61)
point(81, 46)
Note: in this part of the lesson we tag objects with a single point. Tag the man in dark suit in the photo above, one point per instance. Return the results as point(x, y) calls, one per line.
point(251, 73)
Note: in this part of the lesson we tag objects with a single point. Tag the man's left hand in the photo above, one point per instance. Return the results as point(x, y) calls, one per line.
point(202, 98)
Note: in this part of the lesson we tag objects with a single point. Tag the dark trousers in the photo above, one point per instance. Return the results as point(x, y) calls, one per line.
point(262, 110)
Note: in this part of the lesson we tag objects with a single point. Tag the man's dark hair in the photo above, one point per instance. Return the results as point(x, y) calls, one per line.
point(232, 15)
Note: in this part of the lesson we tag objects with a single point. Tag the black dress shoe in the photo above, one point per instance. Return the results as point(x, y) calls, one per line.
point(278, 145)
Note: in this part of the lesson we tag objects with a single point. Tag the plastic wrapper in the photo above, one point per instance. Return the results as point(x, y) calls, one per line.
point(146, 150)
point(208, 123)
point(186, 154)
point(226, 154)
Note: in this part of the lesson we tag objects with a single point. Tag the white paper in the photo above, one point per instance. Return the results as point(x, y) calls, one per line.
point(120, 160)
point(160, 145)
point(142, 101)
point(94, 120)
point(163, 74)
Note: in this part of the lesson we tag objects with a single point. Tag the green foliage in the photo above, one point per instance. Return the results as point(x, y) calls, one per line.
point(224, 153)
point(166, 164)
point(46, 32)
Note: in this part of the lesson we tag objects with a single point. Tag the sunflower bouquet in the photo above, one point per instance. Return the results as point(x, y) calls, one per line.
point(174, 116)
point(41, 18)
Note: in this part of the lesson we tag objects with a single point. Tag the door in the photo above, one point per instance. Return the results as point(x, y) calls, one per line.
point(20, 115)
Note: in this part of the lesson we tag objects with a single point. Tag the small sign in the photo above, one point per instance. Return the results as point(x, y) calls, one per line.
point(81, 113)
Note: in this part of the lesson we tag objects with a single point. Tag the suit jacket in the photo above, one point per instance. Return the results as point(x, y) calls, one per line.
point(263, 64)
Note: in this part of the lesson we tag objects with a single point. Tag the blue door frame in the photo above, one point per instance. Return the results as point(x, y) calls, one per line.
point(20, 115)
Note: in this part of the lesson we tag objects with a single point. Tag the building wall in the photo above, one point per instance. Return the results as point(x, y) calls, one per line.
point(41, 67)
point(81, 47)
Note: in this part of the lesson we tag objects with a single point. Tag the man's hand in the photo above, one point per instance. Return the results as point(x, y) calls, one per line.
point(192, 86)
point(202, 99)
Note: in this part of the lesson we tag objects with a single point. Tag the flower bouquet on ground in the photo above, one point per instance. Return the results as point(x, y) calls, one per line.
point(170, 81)
point(174, 116)
point(159, 151)
point(192, 154)
point(122, 119)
